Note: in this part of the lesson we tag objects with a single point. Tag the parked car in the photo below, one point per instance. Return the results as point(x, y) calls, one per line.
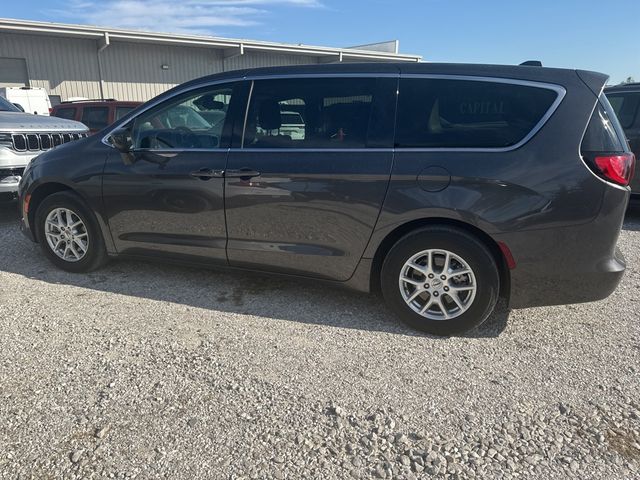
point(445, 186)
point(28, 99)
point(625, 100)
point(23, 136)
point(95, 114)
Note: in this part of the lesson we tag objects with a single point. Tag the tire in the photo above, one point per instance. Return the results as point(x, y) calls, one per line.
point(95, 254)
point(476, 291)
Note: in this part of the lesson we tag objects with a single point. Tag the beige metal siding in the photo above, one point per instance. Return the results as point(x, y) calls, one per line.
point(133, 71)
point(130, 71)
point(65, 67)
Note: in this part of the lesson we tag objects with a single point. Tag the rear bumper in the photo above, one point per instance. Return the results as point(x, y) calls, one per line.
point(569, 264)
point(566, 287)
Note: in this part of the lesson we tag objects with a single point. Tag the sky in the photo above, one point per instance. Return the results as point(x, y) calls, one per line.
point(586, 34)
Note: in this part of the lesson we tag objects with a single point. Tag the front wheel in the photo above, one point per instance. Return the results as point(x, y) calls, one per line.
point(69, 234)
point(440, 280)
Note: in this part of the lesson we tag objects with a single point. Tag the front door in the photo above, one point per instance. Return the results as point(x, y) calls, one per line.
point(167, 195)
point(304, 192)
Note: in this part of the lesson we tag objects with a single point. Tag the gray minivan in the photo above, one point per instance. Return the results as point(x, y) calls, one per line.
point(444, 186)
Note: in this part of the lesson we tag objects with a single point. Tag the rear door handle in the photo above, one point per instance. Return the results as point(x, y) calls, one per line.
point(206, 173)
point(241, 173)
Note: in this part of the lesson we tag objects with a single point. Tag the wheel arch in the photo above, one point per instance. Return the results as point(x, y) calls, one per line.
point(406, 228)
point(39, 194)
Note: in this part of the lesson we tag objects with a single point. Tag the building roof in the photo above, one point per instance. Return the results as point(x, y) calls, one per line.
point(230, 47)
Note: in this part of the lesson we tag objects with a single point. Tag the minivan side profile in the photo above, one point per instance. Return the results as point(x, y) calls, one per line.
point(444, 186)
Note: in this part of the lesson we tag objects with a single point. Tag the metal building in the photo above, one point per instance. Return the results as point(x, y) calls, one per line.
point(95, 62)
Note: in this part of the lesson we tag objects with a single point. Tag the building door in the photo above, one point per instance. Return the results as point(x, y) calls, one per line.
point(13, 72)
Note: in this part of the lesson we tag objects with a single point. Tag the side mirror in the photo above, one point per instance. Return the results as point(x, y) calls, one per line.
point(121, 140)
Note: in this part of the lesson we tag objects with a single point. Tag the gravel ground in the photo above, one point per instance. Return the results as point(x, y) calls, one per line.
point(152, 371)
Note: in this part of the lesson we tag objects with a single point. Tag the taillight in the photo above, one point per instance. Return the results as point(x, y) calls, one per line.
point(617, 168)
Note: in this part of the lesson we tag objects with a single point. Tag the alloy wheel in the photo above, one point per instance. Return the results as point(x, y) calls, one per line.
point(437, 284)
point(66, 234)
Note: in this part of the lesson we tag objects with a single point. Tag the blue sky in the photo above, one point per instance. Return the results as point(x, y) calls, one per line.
point(585, 34)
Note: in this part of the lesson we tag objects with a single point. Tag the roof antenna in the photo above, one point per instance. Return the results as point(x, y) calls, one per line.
point(532, 63)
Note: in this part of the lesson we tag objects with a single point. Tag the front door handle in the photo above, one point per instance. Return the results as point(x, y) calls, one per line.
point(241, 173)
point(207, 173)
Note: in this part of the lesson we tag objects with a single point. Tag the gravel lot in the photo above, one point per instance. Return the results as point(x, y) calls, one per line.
point(152, 371)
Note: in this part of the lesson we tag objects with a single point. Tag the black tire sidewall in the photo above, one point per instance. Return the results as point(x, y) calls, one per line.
point(95, 255)
point(460, 243)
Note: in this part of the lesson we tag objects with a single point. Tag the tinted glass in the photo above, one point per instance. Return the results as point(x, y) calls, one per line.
point(626, 107)
point(192, 120)
point(96, 118)
point(315, 113)
point(603, 133)
point(122, 111)
point(443, 113)
point(68, 113)
point(7, 106)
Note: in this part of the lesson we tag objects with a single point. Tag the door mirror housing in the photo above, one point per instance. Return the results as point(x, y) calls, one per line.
point(121, 140)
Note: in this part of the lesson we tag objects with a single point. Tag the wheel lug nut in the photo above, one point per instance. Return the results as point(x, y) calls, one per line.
point(431, 275)
point(426, 285)
point(435, 294)
point(446, 289)
point(443, 277)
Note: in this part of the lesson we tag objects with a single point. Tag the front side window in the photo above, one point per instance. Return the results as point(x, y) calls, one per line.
point(449, 113)
point(95, 118)
point(313, 113)
point(190, 121)
point(626, 107)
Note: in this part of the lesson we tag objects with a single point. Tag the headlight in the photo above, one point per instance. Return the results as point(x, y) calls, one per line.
point(6, 140)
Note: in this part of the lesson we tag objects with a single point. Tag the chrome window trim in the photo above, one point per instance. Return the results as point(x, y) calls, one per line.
point(167, 151)
point(560, 90)
point(246, 114)
point(314, 150)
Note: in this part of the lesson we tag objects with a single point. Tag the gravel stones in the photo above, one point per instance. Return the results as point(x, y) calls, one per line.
point(152, 371)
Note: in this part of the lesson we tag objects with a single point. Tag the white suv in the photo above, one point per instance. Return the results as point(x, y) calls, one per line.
point(23, 136)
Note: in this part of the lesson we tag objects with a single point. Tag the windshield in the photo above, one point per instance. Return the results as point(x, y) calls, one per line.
point(6, 106)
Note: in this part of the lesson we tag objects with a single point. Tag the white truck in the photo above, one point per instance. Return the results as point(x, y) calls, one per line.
point(23, 136)
point(31, 99)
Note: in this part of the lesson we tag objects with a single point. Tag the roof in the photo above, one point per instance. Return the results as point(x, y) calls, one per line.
point(623, 86)
point(230, 46)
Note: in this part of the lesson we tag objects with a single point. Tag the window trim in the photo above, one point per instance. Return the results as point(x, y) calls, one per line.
point(560, 90)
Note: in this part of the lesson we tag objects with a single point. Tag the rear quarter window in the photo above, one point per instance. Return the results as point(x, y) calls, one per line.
point(122, 111)
point(604, 133)
point(67, 112)
point(96, 118)
point(449, 113)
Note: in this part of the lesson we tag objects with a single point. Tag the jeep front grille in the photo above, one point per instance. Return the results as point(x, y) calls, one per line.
point(32, 142)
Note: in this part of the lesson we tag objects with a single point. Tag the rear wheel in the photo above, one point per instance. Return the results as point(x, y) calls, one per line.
point(69, 234)
point(440, 280)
